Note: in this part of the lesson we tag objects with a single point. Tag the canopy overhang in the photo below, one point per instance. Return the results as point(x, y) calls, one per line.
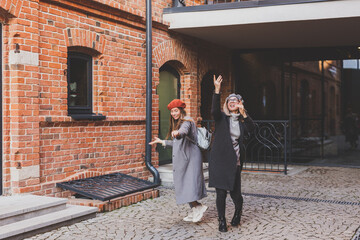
point(246, 25)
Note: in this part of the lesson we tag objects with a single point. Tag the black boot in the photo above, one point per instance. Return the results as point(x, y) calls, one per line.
point(237, 216)
point(222, 224)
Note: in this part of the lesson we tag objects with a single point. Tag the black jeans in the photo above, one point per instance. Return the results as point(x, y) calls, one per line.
point(235, 195)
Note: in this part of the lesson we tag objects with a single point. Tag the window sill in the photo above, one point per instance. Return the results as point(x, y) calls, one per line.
point(90, 116)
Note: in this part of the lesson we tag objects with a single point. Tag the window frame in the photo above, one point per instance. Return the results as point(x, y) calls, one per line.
point(74, 110)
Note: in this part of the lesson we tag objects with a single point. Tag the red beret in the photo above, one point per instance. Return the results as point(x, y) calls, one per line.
point(176, 103)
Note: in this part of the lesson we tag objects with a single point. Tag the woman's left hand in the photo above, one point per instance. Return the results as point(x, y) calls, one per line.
point(242, 110)
point(175, 134)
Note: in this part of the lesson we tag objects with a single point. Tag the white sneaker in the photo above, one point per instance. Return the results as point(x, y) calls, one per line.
point(199, 212)
point(189, 218)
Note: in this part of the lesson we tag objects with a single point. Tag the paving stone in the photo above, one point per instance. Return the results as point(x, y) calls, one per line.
point(263, 217)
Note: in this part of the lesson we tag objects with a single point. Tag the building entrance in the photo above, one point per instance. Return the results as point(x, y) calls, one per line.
point(168, 89)
point(315, 90)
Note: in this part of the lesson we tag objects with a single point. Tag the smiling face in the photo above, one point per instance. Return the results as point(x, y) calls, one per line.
point(175, 113)
point(233, 104)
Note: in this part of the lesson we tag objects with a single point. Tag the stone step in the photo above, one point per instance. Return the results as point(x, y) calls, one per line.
point(46, 222)
point(22, 207)
point(166, 174)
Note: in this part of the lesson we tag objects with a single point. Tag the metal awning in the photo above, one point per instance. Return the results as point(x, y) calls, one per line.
point(107, 186)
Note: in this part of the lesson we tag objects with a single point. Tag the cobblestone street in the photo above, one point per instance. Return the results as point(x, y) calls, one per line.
point(314, 203)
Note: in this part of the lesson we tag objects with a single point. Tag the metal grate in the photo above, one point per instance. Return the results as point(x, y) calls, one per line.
point(303, 199)
point(107, 187)
point(266, 148)
point(299, 199)
point(357, 235)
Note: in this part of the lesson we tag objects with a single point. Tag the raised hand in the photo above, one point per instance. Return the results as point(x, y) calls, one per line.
point(242, 109)
point(217, 83)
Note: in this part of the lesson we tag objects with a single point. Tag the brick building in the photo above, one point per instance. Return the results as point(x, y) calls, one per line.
point(73, 76)
point(73, 88)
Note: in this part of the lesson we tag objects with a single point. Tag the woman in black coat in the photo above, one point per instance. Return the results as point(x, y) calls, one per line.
point(227, 152)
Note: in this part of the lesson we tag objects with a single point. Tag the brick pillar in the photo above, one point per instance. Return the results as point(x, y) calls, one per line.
point(190, 90)
point(24, 99)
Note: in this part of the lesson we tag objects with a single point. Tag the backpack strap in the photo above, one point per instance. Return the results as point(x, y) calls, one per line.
point(191, 140)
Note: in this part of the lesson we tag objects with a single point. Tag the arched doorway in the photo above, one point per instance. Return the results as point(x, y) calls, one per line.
point(168, 89)
point(207, 89)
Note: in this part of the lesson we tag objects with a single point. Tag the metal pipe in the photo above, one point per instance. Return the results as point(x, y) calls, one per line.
point(322, 108)
point(283, 89)
point(285, 147)
point(148, 164)
point(290, 111)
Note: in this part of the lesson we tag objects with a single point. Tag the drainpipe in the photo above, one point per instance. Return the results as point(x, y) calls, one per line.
point(148, 164)
point(322, 108)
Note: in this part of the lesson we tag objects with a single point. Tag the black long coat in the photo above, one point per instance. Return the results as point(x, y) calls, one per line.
point(223, 159)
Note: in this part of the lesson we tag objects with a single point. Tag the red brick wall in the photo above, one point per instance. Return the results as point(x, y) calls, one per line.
point(20, 94)
point(6, 113)
point(103, 147)
point(12, 7)
point(39, 134)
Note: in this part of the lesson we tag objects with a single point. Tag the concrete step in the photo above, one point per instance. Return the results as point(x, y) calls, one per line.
point(22, 207)
point(166, 174)
point(46, 222)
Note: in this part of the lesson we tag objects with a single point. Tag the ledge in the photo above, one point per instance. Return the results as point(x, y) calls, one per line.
point(236, 5)
point(116, 203)
point(46, 121)
point(92, 116)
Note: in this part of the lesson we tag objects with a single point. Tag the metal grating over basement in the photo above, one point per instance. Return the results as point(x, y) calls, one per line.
point(107, 186)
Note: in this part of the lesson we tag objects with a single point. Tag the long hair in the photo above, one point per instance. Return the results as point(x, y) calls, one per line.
point(175, 124)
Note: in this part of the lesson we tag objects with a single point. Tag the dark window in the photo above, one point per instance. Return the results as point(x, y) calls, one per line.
point(79, 78)
point(207, 89)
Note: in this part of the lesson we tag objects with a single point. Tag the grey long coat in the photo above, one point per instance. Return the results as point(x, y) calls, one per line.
point(187, 165)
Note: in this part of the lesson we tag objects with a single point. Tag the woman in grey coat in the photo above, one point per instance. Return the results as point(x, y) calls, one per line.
point(187, 160)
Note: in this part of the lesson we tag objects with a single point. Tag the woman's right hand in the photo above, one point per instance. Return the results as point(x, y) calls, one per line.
point(157, 140)
point(217, 83)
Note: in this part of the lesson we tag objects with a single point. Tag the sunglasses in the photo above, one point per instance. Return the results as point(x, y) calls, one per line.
point(233, 100)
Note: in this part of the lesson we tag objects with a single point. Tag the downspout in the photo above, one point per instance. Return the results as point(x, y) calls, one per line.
point(148, 164)
point(322, 108)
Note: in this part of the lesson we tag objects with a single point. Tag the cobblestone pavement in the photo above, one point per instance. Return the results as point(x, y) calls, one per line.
point(267, 217)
